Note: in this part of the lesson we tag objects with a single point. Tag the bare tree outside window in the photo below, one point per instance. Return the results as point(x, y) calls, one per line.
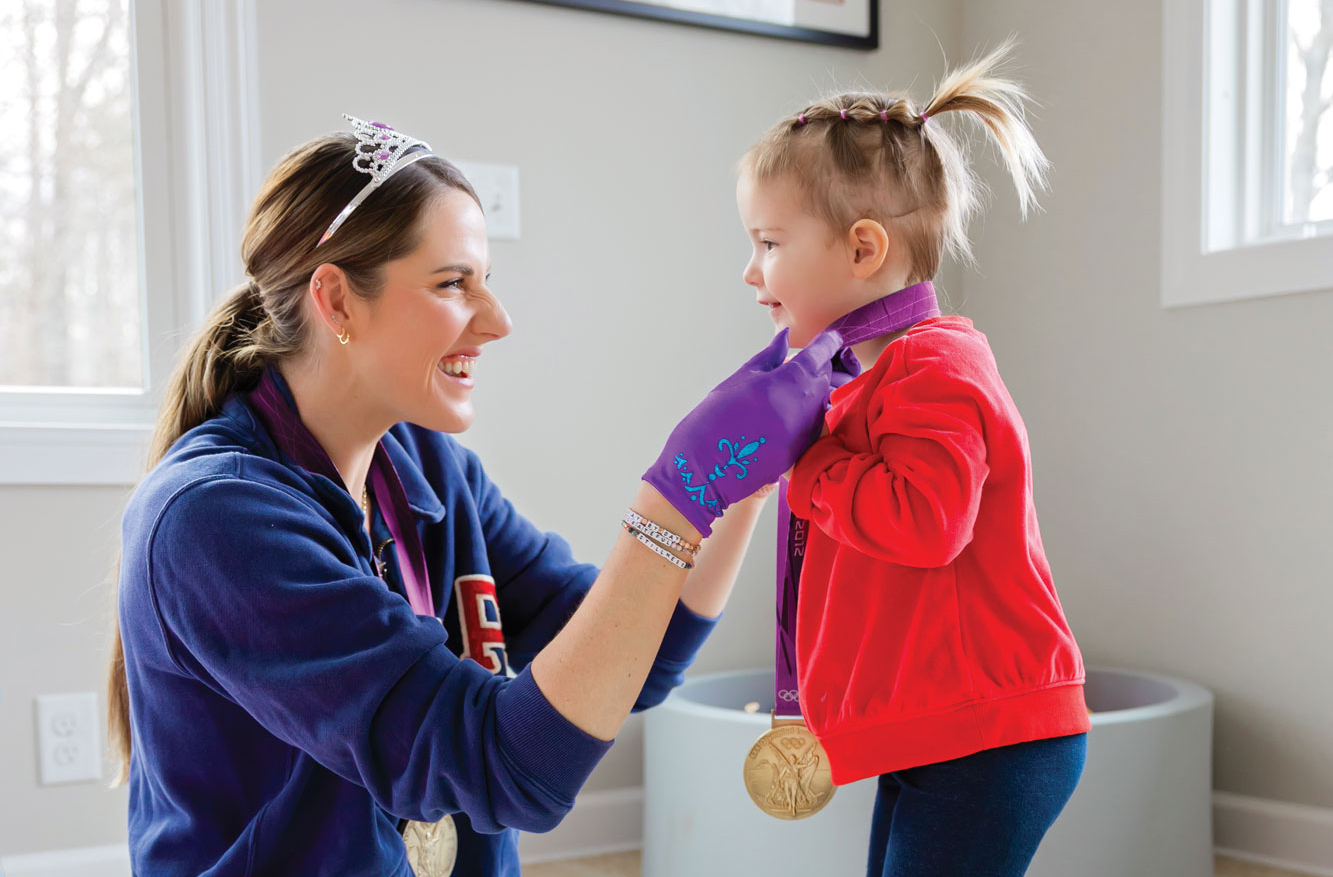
point(1308, 147)
point(70, 305)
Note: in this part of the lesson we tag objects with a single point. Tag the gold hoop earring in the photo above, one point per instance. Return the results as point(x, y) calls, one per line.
point(343, 335)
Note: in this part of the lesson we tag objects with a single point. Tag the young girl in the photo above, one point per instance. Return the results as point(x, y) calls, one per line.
point(931, 648)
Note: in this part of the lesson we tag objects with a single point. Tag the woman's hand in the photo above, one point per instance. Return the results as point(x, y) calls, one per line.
point(823, 433)
point(628, 608)
point(747, 431)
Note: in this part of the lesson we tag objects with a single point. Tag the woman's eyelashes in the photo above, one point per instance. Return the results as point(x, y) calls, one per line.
point(459, 284)
point(768, 245)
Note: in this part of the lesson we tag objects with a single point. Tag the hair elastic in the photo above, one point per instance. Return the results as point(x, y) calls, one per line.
point(800, 118)
point(924, 118)
point(843, 113)
point(883, 115)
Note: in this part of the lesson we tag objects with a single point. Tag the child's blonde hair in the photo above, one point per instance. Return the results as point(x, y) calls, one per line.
point(879, 156)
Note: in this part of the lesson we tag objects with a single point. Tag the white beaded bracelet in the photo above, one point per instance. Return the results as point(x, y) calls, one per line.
point(664, 537)
point(656, 549)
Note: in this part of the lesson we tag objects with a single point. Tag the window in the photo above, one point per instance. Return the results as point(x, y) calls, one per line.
point(121, 211)
point(1304, 186)
point(1247, 149)
point(69, 272)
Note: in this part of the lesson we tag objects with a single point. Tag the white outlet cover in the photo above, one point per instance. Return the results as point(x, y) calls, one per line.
point(69, 738)
point(496, 186)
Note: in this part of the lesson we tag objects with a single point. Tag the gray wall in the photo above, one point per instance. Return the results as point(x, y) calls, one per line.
point(626, 133)
point(1181, 456)
point(59, 544)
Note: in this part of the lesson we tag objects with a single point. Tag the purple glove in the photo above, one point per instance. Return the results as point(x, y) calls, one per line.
point(846, 367)
point(748, 430)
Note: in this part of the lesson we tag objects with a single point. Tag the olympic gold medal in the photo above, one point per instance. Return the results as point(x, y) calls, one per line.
point(787, 772)
point(431, 847)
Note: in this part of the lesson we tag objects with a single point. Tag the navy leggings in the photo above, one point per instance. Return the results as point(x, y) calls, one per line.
point(978, 816)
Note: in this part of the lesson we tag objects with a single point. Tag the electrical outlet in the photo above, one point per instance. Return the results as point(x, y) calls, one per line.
point(496, 186)
point(68, 738)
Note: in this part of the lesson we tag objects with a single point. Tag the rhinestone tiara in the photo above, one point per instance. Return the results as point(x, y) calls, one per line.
point(381, 151)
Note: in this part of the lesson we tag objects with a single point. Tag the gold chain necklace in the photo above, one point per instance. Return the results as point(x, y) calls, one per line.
point(377, 556)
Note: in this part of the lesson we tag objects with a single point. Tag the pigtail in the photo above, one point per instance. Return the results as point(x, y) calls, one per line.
point(1000, 106)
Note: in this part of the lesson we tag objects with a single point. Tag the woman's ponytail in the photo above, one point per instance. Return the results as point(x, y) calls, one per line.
point(223, 358)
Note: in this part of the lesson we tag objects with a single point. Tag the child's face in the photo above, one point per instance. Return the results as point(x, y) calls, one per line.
point(798, 269)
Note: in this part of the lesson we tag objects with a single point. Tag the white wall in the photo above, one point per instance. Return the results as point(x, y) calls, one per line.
point(626, 133)
point(1182, 456)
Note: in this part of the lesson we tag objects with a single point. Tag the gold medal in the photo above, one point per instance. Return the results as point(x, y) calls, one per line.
point(431, 847)
point(787, 772)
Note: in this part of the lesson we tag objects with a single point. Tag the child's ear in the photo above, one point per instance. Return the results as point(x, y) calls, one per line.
point(868, 245)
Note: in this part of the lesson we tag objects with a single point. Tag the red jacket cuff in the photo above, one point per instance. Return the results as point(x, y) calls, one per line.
point(822, 455)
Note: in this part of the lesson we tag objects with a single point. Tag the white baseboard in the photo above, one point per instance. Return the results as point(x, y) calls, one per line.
point(609, 821)
point(1294, 837)
point(108, 861)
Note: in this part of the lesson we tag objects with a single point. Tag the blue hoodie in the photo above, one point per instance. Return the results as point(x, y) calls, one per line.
point(289, 710)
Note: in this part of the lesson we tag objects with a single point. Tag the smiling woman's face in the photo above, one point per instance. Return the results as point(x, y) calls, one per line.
point(426, 329)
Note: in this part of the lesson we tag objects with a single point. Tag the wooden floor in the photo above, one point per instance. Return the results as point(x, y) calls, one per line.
point(628, 865)
point(1233, 868)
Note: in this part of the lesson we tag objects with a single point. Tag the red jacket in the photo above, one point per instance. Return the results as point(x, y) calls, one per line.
point(928, 627)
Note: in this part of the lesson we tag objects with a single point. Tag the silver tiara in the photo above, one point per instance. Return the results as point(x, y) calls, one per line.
point(381, 151)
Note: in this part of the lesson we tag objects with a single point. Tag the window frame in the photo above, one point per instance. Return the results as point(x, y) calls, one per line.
point(1221, 184)
point(197, 160)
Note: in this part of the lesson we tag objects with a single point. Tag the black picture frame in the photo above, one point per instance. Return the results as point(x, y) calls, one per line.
point(727, 22)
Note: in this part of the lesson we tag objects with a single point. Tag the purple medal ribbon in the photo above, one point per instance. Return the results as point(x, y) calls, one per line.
point(791, 554)
point(887, 315)
point(296, 441)
point(884, 316)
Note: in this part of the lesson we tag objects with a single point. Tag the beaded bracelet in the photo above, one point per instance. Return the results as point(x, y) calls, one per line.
point(656, 549)
point(663, 537)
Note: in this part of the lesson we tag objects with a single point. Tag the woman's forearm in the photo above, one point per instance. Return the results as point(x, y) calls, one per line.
point(593, 670)
point(709, 584)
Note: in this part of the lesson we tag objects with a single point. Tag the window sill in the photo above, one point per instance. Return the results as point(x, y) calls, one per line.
point(63, 454)
point(1254, 271)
